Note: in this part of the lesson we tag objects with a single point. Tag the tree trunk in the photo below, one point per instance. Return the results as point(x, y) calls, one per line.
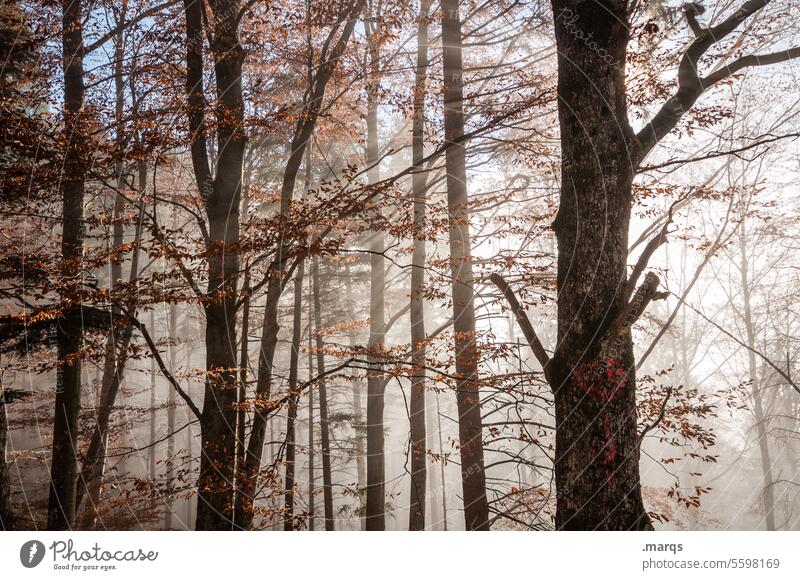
point(151, 452)
point(64, 465)
point(359, 428)
point(327, 481)
point(173, 363)
point(762, 429)
point(416, 516)
point(376, 385)
point(473, 477)
point(294, 360)
point(597, 452)
point(116, 358)
point(218, 419)
point(269, 335)
point(311, 452)
point(441, 463)
point(6, 520)
point(244, 358)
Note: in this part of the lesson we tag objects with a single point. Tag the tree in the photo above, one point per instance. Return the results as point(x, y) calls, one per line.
point(221, 196)
point(64, 464)
point(416, 517)
point(304, 128)
point(476, 507)
point(376, 381)
point(592, 371)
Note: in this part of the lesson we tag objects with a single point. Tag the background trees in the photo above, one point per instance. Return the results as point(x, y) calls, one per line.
point(269, 265)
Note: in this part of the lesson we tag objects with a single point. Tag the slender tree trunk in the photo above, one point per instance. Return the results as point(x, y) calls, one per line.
point(594, 383)
point(244, 358)
point(116, 358)
point(218, 419)
point(359, 428)
point(288, 522)
point(151, 453)
point(416, 516)
point(376, 384)
point(473, 477)
point(241, 416)
point(189, 440)
point(6, 520)
point(171, 403)
point(64, 464)
point(434, 515)
point(762, 429)
point(441, 463)
point(294, 395)
point(269, 334)
point(327, 480)
point(311, 452)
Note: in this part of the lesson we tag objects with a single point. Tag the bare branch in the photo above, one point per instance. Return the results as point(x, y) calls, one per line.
point(690, 84)
point(658, 419)
point(157, 356)
point(656, 242)
point(522, 319)
point(127, 24)
point(751, 60)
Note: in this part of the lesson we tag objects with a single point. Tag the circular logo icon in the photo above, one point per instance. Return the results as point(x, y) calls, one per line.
point(31, 553)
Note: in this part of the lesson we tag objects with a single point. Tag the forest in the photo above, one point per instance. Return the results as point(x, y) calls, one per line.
point(399, 265)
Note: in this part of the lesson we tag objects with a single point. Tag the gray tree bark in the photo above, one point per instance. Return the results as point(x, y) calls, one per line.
point(376, 384)
point(416, 517)
point(327, 479)
point(473, 476)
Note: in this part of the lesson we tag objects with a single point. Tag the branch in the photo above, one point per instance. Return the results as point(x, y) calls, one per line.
point(273, 406)
point(657, 420)
point(692, 11)
point(157, 356)
point(690, 84)
point(646, 293)
point(715, 154)
point(127, 24)
point(656, 242)
point(758, 353)
point(751, 60)
point(522, 319)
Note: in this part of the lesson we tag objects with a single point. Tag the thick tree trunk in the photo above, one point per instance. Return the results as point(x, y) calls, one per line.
point(597, 452)
point(218, 419)
point(473, 476)
point(64, 465)
point(416, 516)
point(376, 384)
point(327, 479)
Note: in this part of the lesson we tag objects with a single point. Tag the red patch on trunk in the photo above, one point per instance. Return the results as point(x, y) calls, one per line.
point(603, 381)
